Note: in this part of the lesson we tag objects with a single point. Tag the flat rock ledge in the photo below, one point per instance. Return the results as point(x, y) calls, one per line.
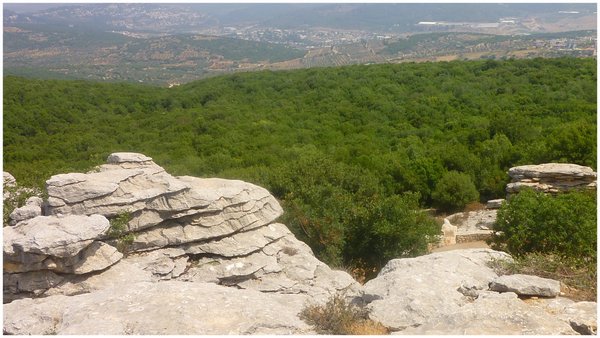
point(449, 293)
point(166, 308)
point(551, 178)
point(525, 285)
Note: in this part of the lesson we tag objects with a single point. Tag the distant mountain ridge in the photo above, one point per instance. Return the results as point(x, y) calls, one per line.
point(188, 17)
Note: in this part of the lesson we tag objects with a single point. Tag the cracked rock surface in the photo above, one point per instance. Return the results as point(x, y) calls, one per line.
point(170, 307)
point(453, 293)
point(207, 257)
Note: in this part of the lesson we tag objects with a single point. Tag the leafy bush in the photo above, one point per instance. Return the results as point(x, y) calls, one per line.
point(342, 213)
point(454, 190)
point(337, 317)
point(118, 230)
point(535, 222)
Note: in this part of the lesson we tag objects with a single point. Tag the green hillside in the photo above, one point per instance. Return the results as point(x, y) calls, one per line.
point(351, 152)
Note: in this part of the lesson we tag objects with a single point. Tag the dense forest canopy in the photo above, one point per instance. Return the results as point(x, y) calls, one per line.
point(348, 150)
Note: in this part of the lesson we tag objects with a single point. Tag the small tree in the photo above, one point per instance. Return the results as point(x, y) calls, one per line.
point(453, 191)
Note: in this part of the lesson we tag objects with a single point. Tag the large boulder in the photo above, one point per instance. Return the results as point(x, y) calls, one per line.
point(453, 293)
point(551, 178)
point(170, 307)
point(31, 209)
point(408, 291)
point(60, 244)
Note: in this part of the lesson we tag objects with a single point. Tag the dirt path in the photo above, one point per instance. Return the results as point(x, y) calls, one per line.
point(468, 245)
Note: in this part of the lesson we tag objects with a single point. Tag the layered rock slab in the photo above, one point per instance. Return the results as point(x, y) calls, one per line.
point(269, 259)
point(187, 231)
point(169, 307)
point(164, 210)
point(551, 178)
point(60, 244)
point(526, 285)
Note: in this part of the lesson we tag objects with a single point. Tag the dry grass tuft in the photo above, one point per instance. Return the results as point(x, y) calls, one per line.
point(578, 277)
point(474, 206)
point(367, 328)
point(336, 317)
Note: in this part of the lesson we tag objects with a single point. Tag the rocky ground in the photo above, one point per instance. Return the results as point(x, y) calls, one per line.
point(129, 249)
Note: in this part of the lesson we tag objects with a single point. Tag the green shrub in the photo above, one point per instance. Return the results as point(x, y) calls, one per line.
point(118, 230)
point(535, 222)
point(453, 191)
point(343, 214)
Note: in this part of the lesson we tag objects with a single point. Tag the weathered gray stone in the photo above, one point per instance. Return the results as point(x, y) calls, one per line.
point(526, 285)
point(230, 207)
point(582, 316)
point(409, 291)
point(8, 180)
point(268, 259)
point(35, 282)
point(240, 243)
point(124, 271)
point(109, 192)
point(448, 233)
point(31, 209)
point(163, 263)
point(551, 177)
point(494, 204)
point(492, 314)
point(151, 308)
point(191, 206)
point(53, 236)
point(118, 158)
point(98, 256)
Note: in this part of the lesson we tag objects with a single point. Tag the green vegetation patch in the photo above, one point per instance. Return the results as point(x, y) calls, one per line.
point(351, 152)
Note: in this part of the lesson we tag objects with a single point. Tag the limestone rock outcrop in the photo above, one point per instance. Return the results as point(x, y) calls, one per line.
point(59, 244)
point(551, 178)
point(166, 308)
point(452, 293)
point(408, 291)
point(494, 204)
point(494, 314)
point(31, 209)
point(182, 232)
point(128, 248)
